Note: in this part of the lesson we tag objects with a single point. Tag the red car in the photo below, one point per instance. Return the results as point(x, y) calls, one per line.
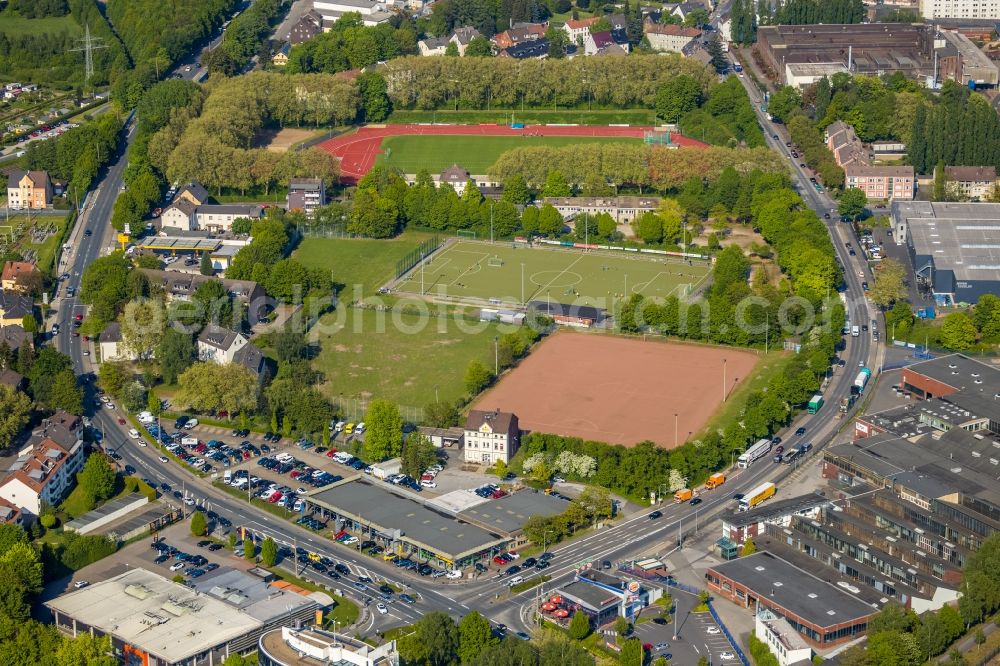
point(274, 498)
point(79, 317)
point(331, 453)
point(296, 474)
point(501, 559)
point(121, 421)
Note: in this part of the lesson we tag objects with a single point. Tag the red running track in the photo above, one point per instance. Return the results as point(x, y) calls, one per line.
point(357, 151)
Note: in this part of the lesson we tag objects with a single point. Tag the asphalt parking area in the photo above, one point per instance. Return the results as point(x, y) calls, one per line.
point(697, 635)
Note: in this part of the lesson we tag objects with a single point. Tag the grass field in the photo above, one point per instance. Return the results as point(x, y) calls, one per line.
point(475, 153)
point(14, 26)
point(358, 261)
point(403, 358)
point(469, 269)
point(530, 116)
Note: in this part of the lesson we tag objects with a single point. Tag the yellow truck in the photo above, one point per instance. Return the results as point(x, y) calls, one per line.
point(683, 495)
point(715, 480)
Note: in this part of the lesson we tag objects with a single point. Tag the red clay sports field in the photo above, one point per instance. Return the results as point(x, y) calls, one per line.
point(357, 151)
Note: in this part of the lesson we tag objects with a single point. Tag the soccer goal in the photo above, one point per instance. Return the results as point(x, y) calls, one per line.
point(494, 262)
point(466, 233)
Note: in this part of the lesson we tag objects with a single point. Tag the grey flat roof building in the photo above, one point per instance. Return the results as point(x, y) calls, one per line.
point(405, 517)
point(507, 515)
point(955, 247)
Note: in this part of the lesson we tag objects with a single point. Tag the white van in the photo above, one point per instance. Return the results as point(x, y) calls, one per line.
point(227, 477)
point(855, 331)
point(190, 424)
point(146, 417)
point(515, 580)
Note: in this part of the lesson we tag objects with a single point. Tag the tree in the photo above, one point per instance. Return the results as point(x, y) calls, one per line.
point(211, 387)
point(889, 283)
point(439, 636)
point(98, 478)
point(374, 97)
point(631, 653)
point(451, 50)
point(550, 221)
point(579, 626)
point(477, 377)
point(64, 393)
point(441, 414)
point(479, 47)
point(268, 552)
point(175, 353)
point(852, 203)
point(142, 326)
point(199, 524)
point(418, 454)
point(15, 410)
point(556, 185)
point(85, 650)
point(696, 18)
point(206, 264)
point(783, 102)
point(384, 431)
point(749, 548)
point(249, 550)
point(676, 97)
point(475, 634)
point(958, 332)
point(558, 41)
point(515, 190)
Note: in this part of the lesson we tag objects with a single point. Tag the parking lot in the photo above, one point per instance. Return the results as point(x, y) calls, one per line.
point(697, 635)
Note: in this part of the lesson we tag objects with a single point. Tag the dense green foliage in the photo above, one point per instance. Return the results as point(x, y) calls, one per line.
point(960, 129)
point(726, 118)
point(246, 37)
point(805, 12)
point(351, 45)
point(46, 57)
point(147, 26)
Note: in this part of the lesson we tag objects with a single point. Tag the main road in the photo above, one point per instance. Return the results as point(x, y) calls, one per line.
point(630, 537)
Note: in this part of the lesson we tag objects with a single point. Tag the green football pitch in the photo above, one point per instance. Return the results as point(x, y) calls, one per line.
point(502, 273)
point(476, 154)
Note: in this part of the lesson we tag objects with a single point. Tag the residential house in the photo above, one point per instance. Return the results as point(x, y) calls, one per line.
point(882, 182)
point(600, 42)
point(669, 37)
point(14, 336)
point(538, 48)
point(684, 9)
point(223, 346)
point(11, 514)
point(432, 46)
point(491, 436)
point(14, 307)
point(623, 209)
point(194, 192)
point(219, 344)
point(462, 36)
point(519, 33)
point(215, 218)
point(455, 176)
point(45, 469)
point(970, 182)
point(19, 276)
point(578, 29)
point(307, 27)
point(845, 145)
point(181, 286)
point(306, 194)
point(280, 59)
point(110, 344)
point(28, 189)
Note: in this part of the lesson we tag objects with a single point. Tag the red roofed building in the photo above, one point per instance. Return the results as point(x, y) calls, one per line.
point(669, 37)
point(579, 28)
point(17, 275)
point(518, 34)
point(45, 469)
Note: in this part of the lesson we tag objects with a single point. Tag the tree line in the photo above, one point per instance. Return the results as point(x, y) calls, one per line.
point(77, 155)
point(479, 83)
point(246, 36)
point(46, 57)
point(724, 116)
point(807, 12)
point(960, 129)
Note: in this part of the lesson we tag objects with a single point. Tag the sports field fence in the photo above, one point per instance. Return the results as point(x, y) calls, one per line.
point(417, 255)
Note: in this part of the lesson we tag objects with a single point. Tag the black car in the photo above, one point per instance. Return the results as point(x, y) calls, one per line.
point(385, 589)
point(546, 556)
point(424, 570)
point(510, 571)
point(129, 470)
point(544, 564)
point(864, 285)
point(205, 543)
point(738, 496)
point(530, 562)
point(800, 431)
point(364, 579)
point(655, 515)
point(695, 501)
point(160, 559)
point(180, 422)
point(211, 566)
point(776, 440)
point(407, 599)
point(342, 568)
point(481, 568)
point(214, 547)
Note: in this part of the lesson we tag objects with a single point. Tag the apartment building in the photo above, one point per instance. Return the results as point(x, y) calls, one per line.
point(882, 182)
point(45, 469)
point(491, 437)
point(966, 9)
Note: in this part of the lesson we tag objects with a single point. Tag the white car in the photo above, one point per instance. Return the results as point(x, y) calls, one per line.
point(86, 352)
point(164, 459)
point(713, 630)
point(428, 484)
point(514, 556)
point(727, 656)
point(351, 540)
point(80, 583)
point(141, 443)
point(380, 607)
point(110, 405)
point(453, 574)
point(176, 566)
point(133, 433)
point(189, 501)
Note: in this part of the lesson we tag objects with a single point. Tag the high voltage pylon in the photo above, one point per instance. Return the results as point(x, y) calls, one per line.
point(88, 44)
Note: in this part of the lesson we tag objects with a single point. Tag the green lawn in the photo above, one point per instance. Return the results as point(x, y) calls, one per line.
point(471, 270)
point(529, 116)
point(47, 250)
point(365, 262)
point(475, 153)
point(14, 26)
point(368, 354)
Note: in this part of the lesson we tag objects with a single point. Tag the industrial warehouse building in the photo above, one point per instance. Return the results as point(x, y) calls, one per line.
point(157, 622)
point(824, 614)
point(953, 247)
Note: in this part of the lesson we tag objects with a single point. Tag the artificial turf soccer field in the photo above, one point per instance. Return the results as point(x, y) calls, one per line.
point(476, 154)
point(493, 271)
